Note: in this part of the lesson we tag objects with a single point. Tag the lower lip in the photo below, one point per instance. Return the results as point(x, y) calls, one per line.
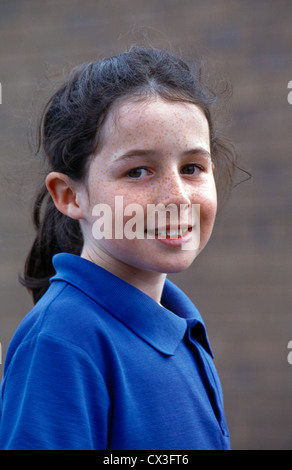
point(174, 242)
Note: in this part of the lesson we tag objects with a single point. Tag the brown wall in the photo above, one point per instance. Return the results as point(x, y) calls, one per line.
point(242, 281)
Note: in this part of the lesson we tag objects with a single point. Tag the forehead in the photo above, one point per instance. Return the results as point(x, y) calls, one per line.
point(155, 118)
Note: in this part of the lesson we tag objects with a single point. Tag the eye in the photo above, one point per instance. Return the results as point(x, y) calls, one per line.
point(191, 169)
point(137, 173)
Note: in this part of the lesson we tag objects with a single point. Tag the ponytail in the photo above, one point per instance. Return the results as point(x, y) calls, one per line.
point(55, 233)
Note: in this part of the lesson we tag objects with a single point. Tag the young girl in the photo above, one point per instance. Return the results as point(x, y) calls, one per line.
point(113, 355)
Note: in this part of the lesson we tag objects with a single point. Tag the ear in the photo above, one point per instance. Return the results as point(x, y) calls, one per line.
point(64, 194)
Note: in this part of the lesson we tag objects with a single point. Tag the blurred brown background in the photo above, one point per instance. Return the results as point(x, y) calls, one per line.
point(241, 283)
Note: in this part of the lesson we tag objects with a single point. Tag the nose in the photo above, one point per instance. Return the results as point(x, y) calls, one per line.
point(173, 200)
point(173, 190)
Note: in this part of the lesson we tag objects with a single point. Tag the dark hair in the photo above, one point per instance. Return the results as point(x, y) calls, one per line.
point(69, 134)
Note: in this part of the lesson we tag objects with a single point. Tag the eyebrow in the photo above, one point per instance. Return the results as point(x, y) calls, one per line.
point(198, 151)
point(147, 152)
point(135, 153)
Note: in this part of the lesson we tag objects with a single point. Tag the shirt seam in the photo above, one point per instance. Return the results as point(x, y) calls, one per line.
point(7, 374)
point(40, 334)
point(68, 344)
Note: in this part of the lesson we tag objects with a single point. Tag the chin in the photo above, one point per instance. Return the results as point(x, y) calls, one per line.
point(177, 265)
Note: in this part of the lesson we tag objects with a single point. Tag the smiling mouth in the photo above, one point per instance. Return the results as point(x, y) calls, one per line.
point(169, 232)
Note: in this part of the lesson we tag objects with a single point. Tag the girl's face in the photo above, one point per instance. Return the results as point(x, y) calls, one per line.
point(151, 152)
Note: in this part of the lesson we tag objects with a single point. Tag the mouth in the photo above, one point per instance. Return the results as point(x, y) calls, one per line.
point(169, 232)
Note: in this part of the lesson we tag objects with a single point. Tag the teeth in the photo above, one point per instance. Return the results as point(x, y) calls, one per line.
point(169, 233)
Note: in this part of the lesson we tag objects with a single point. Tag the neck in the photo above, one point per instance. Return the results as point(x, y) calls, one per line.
point(149, 282)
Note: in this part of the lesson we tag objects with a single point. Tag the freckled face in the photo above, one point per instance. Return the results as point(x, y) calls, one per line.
point(152, 152)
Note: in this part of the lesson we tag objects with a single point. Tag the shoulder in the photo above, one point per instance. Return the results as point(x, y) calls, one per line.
point(64, 315)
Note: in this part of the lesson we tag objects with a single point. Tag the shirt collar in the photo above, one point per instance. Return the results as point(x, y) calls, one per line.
point(161, 327)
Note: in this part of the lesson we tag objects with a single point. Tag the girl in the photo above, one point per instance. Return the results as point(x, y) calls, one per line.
point(113, 355)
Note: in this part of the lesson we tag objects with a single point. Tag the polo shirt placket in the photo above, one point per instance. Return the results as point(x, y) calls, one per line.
point(196, 335)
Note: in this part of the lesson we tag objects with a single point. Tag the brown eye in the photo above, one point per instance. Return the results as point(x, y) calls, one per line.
point(137, 173)
point(189, 169)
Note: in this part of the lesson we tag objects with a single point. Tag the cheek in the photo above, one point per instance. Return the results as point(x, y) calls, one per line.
point(123, 214)
point(208, 210)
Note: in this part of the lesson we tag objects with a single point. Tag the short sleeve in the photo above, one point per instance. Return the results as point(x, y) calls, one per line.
point(53, 397)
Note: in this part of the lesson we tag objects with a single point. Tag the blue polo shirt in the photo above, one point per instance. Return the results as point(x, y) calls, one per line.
point(97, 364)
